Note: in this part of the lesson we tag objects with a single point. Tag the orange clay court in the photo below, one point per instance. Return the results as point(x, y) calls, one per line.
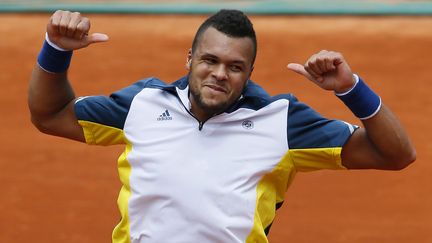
point(55, 190)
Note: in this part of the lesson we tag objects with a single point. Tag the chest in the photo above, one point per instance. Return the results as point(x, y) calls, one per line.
point(160, 125)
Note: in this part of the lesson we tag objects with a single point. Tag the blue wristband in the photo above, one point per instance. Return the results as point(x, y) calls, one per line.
point(53, 60)
point(361, 100)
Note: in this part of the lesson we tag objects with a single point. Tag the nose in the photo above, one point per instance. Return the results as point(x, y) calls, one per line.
point(220, 72)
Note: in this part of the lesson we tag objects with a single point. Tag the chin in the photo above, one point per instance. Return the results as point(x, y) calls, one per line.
point(214, 106)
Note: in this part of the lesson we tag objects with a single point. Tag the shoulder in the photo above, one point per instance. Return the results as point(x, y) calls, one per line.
point(151, 82)
point(257, 96)
point(112, 110)
point(131, 91)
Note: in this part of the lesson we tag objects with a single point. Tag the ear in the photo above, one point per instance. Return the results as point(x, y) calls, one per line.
point(189, 59)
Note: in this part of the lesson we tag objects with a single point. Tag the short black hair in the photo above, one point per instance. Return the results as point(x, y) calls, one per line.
point(233, 23)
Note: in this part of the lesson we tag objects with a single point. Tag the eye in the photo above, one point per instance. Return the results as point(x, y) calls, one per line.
point(210, 60)
point(235, 68)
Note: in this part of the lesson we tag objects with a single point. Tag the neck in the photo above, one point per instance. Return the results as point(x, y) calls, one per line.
point(199, 113)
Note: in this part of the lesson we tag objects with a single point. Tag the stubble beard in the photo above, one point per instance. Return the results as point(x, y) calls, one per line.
point(207, 108)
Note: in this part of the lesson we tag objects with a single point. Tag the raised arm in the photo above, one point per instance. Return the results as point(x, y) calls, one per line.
point(382, 143)
point(50, 95)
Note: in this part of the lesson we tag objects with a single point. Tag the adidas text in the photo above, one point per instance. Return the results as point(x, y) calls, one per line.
point(165, 116)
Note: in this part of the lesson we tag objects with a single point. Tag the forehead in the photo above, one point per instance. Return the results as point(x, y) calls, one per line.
point(216, 43)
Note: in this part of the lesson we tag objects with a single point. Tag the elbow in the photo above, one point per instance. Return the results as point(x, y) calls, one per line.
point(41, 124)
point(411, 157)
point(403, 161)
point(37, 119)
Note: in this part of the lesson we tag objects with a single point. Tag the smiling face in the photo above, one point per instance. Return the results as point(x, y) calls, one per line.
point(219, 68)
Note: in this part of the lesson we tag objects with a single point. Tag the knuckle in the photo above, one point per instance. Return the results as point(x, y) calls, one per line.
point(84, 23)
point(336, 54)
point(55, 24)
point(64, 12)
point(311, 63)
point(63, 25)
point(81, 28)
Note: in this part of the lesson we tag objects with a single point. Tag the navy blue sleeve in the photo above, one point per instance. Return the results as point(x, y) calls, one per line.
point(308, 129)
point(109, 110)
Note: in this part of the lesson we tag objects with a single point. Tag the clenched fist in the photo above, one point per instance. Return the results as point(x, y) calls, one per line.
point(327, 69)
point(70, 31)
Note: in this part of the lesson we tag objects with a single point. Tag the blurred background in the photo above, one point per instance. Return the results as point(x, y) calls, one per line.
point(292, 7)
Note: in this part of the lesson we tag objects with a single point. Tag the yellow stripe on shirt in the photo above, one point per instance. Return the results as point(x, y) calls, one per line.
point(272, 187)
point(98, 134)
point(270, 191)
point(317, 158)
point(121, 233)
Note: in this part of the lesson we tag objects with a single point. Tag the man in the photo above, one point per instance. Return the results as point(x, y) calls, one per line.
point(209, 157)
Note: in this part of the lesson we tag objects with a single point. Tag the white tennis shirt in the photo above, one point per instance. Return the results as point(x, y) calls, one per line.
point(221, 182)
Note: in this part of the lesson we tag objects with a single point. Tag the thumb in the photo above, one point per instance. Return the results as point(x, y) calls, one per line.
point(298, 68)
point(96, 38)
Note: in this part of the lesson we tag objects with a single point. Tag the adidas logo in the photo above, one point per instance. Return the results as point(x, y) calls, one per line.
point(165, 116)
